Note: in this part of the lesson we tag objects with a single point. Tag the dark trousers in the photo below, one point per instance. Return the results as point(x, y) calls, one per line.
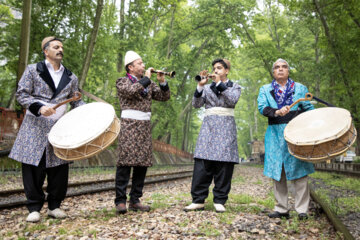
point(204, 172)
point(33, 180)
point(122, 179)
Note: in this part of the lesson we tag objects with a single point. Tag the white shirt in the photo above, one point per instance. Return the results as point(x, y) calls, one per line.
point(55, 75)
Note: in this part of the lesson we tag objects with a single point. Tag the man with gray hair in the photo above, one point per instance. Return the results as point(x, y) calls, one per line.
point(273, 102)
point(42, 86)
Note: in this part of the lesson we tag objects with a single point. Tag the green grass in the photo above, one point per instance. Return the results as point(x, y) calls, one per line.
point(226, 217)
point(207, 228)
point(350, 204)
point(267, 202)
point(93, 233)
point(258, 182)
point(338, 180)
point(160, 200)
point(184, 223)
point(77, 232)
point(62, 231)
point(37, 227)
point(344, 205)
point(238, 179)
point(103, 214)
point(240, 198)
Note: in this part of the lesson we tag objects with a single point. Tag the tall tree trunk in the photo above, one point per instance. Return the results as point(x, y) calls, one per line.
point(24, 46)
point(120, 66)
point(197, 54)
point(255, 117)
point(171, 32)
point(353, 104)
point(335, 52)
point(317, 81)
point(90, 49)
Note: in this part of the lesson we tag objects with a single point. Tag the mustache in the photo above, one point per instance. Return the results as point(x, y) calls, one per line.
point(60, 53)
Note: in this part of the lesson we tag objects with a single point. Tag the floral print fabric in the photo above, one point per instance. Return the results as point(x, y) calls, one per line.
point(135, 140)
point(217, 140)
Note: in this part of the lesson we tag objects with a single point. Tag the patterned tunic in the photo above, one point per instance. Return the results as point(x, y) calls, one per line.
point(217, 140)
point(276, 149)
point(135, 140)
point(36, 86)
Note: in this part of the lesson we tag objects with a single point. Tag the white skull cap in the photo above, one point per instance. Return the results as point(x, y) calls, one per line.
point(130, 56)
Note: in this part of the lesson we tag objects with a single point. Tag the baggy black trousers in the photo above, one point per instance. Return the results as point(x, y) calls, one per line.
point(204, 172)
point(33, 180)
point(122, 179)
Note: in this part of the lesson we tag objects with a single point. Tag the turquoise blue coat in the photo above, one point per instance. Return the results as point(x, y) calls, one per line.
point(276, 149)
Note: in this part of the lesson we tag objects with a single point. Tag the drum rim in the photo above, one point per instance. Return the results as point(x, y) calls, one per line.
point(115, 121)
point(307, 143)
point(74, 146)
point(324, 158)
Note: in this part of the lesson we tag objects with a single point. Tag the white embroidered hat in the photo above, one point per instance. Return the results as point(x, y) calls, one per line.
point(130, 56)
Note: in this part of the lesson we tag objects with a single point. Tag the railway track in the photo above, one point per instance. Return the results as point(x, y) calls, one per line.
point(16, 198)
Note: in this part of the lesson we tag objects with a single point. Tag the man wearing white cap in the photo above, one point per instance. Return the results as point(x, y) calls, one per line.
point(135, 92)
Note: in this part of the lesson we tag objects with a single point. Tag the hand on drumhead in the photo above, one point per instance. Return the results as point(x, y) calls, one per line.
point(47, 111)
point(283, 111)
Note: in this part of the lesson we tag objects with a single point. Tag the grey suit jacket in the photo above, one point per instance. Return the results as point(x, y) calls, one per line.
point(35, 89)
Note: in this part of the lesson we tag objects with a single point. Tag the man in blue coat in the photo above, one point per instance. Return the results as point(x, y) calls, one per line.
point(273, 102)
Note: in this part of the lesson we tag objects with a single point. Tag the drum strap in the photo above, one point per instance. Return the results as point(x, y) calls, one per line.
point(323, 102)
point(135, 114)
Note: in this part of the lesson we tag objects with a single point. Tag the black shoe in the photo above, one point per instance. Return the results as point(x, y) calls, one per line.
point(303, 216)
point(279, 215)
point(121, 208)
point(139, 207)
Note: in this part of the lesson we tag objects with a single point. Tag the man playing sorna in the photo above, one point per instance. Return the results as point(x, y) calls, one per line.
point(135, 93)
point(216, 149)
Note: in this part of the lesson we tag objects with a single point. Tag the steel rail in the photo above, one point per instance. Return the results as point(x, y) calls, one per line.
point(334, 219)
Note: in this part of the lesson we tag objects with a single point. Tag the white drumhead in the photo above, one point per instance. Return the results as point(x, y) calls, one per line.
point(81, 125)
point(317, 126)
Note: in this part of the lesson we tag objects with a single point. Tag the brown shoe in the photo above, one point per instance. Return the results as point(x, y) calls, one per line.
point(121, 208)
point(139, 207)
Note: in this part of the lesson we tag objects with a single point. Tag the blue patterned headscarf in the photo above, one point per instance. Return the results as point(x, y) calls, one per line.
point(284, 97)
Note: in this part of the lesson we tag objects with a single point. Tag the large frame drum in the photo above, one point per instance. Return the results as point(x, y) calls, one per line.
point(84, 131)
point(320, 134)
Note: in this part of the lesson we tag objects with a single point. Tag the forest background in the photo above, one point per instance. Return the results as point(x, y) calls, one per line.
point(319, 38)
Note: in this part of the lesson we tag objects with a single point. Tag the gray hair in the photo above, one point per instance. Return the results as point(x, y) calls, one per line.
point(280, 60)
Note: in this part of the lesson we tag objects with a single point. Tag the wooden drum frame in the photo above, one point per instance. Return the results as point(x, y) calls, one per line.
point(84, 131)
point(321, 134)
